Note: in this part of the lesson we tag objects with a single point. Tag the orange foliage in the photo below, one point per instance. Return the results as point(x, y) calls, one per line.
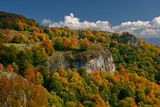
point(85, 43)
point(133, 105)
point(10, 68)
point(98, 100)
point(117, 34)
point(69, 43)
point(64, 80)
point(35, 38)
point(74, 42)
point(20, 38)
point(1, 66)
point(71, 104)
point(30, 74)
point(90, 82)
point(122, 71)
point(62, 72)
point(96, 75)
point(35, 29)
point(32, 40)
point(151, 94)
point(117, 78)
point(48, 46)
point(40, 36)
point(20, 25)
point(66, 43)
point(17, 91)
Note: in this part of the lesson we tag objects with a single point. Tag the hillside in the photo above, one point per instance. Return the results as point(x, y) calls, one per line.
point(17, 22)
point(76, 68)
point(17, 91)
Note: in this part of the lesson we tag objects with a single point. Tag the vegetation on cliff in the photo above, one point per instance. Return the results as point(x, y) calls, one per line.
point(26, 47)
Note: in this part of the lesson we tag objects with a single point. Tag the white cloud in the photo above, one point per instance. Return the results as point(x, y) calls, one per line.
point(139, 28)
point(156, 20)
point(145, 29)
point(131, 27)
point(46, 21)
point(150, 33)
point(74, 23)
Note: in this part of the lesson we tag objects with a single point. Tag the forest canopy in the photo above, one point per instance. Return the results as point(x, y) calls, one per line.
point(25, 46)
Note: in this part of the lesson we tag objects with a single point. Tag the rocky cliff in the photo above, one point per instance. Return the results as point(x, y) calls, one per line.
point(133, 40)
point(129, 39)
point(93, 59)
point(16, 91)
point(6, 79)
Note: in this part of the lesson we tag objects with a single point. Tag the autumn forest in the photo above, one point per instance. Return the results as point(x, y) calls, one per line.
point(43, 66)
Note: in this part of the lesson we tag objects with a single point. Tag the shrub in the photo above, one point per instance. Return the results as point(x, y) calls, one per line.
point(84, 44)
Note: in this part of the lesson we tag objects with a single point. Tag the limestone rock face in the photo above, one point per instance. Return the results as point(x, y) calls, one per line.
point(100, 63)
point(57, 61)
point(21, 93)
point(133, 40)
point(129, 39)
point(93, 59)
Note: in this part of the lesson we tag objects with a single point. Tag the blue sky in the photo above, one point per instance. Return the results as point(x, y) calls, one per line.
point(115, 12)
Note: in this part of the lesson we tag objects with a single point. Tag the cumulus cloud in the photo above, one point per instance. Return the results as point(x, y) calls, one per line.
point(140, 28)
point(46, 21)
point(131, 26)
point(149, 32)
point(145, 29)
point(75, 23)
point(157, 20)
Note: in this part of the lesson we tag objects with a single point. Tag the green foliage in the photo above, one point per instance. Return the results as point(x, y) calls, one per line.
point(123, 103)
point(140, 95)
point(84, 44)
point(48, 47)
point(58, 45)
point(17, 22)
point(126, 92)
point(137, 67)
point(64, 43)
point(39, 78)
point(8, 55)
point(39, 55)
point(20, 38)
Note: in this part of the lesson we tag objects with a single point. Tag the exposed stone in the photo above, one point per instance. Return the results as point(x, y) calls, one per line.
point(99, 63)
point(129, 39)
point(21, 93)
point(57, 61)
point(100, 60)
point(134, 41)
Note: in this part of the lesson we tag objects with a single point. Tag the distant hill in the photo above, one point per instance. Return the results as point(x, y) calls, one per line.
point(155, 41)
point(16, 22)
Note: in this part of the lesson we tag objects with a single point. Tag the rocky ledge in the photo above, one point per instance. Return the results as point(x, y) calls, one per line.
point(93, 59)
point(129, 39)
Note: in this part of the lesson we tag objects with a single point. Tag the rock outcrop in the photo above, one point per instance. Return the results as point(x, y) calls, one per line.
point(129, 39)
point(134, 41)
point(19, 91)
point(57, 61)
point(93, 59)
point(100, 63)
